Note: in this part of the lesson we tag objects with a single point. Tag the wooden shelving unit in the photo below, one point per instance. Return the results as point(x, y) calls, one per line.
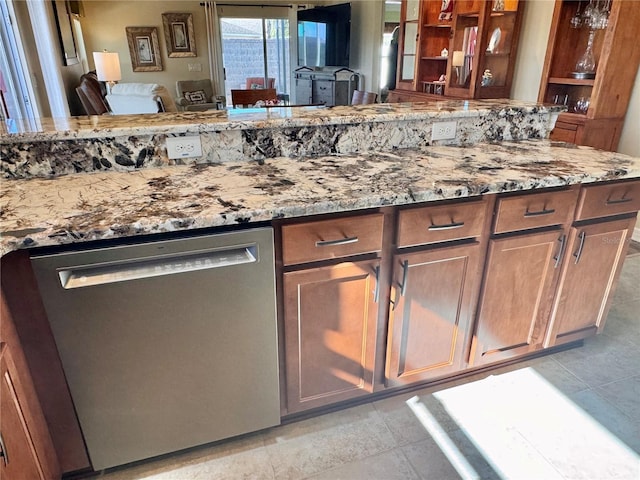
point(425, 33)
point(617, 54)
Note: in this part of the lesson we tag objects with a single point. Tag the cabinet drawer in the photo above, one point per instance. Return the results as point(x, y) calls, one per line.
point(326, 239)
point(611, 199)
point(561, 134)
point(418, 226)
point(535, 210)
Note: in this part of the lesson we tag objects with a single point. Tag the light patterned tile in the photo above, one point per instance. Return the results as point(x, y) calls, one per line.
point(391, 465)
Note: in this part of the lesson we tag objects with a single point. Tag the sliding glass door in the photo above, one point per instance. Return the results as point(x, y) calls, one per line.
point(255, 50)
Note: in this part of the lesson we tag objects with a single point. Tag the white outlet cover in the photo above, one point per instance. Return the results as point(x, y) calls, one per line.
point(443, 130)
point(184, 147)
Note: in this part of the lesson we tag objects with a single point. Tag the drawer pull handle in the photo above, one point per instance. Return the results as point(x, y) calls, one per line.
point(333, 243)
point(558, 257)
point(450, 226)
point(376, 291)
point(539, 212)
point(578, 253)
point(405, 274)
point(620, 200)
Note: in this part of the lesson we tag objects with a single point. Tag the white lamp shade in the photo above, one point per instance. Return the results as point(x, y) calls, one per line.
point(107, 66)
point(458, 58)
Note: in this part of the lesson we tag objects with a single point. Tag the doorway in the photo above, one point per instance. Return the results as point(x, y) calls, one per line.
point(255, 49)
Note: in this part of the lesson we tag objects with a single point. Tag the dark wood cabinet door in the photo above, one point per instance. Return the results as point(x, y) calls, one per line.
point(594, 259)
point(519, 282)
point(330, 317)
point(433, 300)
point(19, 456)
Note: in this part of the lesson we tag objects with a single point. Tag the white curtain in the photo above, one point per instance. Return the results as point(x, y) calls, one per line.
point(214, 40)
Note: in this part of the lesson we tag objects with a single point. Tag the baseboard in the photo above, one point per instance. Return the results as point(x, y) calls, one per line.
point(636, 234)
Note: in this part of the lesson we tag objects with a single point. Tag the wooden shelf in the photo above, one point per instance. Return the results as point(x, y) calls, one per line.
point(504, 55)
point(572, 81)
point(434, 58)
point(437, 25)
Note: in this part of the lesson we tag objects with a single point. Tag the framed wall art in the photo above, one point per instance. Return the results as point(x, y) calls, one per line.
point(65, 32)
point(179, 35)
point(144, 49)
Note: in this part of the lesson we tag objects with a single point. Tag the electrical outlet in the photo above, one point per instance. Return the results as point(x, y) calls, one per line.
point(184, 147)
point(195, 67)
point(443, 131)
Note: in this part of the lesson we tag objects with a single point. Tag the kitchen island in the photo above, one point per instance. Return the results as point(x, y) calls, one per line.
point(498, 202)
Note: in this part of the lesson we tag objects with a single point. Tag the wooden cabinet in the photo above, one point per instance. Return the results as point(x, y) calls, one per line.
point(520, 277)
point(330, 317)
point(604, 222)
point(434, 289)
point(26, 447)
point(590, 272)
point(433, 300)
point(330, 297)
point(616, 53)
point(18, 455)
point(524, 260)
point(481, 39)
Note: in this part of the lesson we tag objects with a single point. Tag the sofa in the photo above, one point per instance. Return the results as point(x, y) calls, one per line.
point(131, 98)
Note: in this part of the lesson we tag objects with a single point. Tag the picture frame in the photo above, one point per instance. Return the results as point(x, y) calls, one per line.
point(144, 49)
point(65, 33)
point(179, 34)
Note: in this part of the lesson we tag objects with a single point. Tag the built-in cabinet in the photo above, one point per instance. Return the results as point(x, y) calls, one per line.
point(436, 274)
point(462, 49)
point(330, 304)
point(590, 66)
point(26, 447)
point(471, 283)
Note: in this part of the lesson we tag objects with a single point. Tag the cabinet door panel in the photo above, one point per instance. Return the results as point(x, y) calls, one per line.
point(20, 459)
point(432, 315)
point(516, 298)
point(330, 319)
point(588, 279)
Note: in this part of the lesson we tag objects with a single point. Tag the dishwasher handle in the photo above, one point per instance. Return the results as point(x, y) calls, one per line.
point(135, 269)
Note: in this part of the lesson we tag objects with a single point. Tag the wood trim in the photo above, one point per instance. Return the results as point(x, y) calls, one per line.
point(40, 438)
point(24, 312)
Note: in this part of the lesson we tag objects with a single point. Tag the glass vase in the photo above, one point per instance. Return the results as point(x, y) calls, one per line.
point(587, 62)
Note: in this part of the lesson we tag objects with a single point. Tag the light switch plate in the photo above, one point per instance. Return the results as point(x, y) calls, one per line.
point(443, 130)
point(184, 147)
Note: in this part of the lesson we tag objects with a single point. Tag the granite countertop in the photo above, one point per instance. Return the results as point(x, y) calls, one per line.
point(239, 119)
point(102, 205)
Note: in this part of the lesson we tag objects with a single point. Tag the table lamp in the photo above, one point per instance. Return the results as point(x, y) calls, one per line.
point(457, 60)
point(107, 68)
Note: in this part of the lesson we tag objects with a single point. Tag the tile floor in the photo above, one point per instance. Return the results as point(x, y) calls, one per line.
point(529, 429)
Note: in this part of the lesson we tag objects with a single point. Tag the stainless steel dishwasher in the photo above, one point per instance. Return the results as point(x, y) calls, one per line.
point(166, 345)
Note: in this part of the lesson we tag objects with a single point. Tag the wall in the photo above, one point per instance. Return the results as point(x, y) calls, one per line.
point(104, 26)
point(528, 71)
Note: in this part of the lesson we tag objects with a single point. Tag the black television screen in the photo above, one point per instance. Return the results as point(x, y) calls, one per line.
point(323, 36)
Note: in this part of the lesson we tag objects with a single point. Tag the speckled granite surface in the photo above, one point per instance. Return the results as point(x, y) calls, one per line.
point(132, 142)
point(101, 205)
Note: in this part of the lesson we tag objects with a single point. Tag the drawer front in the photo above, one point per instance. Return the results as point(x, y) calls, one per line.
point(612, 199)
point(326, 239)
point(561, 134)
point(419, 226)
point(534, 210)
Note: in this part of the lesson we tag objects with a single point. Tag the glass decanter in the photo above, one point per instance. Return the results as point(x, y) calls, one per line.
point(587, 62)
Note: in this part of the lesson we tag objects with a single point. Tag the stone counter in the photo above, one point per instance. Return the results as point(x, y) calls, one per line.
point(105, 205)
point(53, 147)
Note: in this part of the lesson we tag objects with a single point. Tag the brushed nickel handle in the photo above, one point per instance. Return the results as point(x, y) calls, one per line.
point(3, 451)
point(558, 257)
point(449, 226)
point(333, 243)
point(405, 274)
point(376, 290)
point(620, 200)
point(578, 253)
point(544, 211)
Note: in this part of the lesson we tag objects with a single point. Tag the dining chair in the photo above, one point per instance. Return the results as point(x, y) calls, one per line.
point(361, 97)
point(250, 97)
